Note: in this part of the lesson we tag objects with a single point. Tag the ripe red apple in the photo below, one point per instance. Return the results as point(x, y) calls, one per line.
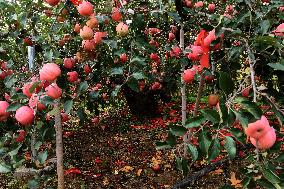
point(72, 76)
point(198, 4)
point(209, 78)
point(155, 57)
point(77, 28)
point(64, 117)
point(213, 100)
point(3, 114)
point(49, 72)
point(87, 69)
point(188, 3)
point(25, 115)
point(245, 92)
point(196, 52)
point(122, 29)
point(116, 15)
point(175, 52)
point(53, 91)
point(211, 7)
point(88, 45)
point(188, 75)
point(69, 63)
point(92, 23)
point(229, 9)
point(3, 74)
point(35, 103)
point(52, 2)
point(86, 33)
point(156, 85)
point(26, 89)
point(85, 8)
point(123, 58)
point(266, 141)
point(257, 129)
point(21, 136)
point(171, 36)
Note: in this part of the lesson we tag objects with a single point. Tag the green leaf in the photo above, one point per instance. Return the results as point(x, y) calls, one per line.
point(34, 86)
point(171, 140)
point(195, 121)
point(162, 145)
point(192, 150)
point(214, 149)
point(138, 75)
point(178, 130)
point(37, 145)
point(242, 118)
point(175, 16)
point(185, 166)
point(139, 60)
point(211, 115)
point(42, 156)
point(46, 100)
point(203, 141)
point(4, 168)
point(116, 91)
point(235, 52)
point(276, 66)
point(270, 176)
point(18, 96)
point(111, 43)
point(68, 106)
point(10, 80)
point(48, 55)
point(264, 26)
point(33, 184)
point(82, 87)
point(226, 83)
point(13, 107)
point(116, 71)
point(230, 147)
point(179, 163)
point(252, 108)
point(15, 151)
point(81, 114)
point(280, 158)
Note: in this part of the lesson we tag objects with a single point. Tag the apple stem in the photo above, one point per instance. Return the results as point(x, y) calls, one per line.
point(59, 146)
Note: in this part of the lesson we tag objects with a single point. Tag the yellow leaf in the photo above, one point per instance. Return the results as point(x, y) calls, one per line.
point(139, 172)
point(217, 171)
point(127, 169)
point(235, 182)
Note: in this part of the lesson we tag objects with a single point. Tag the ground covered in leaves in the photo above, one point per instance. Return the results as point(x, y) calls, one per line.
point(119, 152)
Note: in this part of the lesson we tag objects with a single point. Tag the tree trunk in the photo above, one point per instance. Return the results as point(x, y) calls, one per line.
point(59, 146)
point(199, 94)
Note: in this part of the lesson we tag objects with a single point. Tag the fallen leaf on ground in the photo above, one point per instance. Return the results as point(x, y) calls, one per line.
point(234, 181)
point(217, 171)
point(139, 172)
point(72, 171)
point(127, 169)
